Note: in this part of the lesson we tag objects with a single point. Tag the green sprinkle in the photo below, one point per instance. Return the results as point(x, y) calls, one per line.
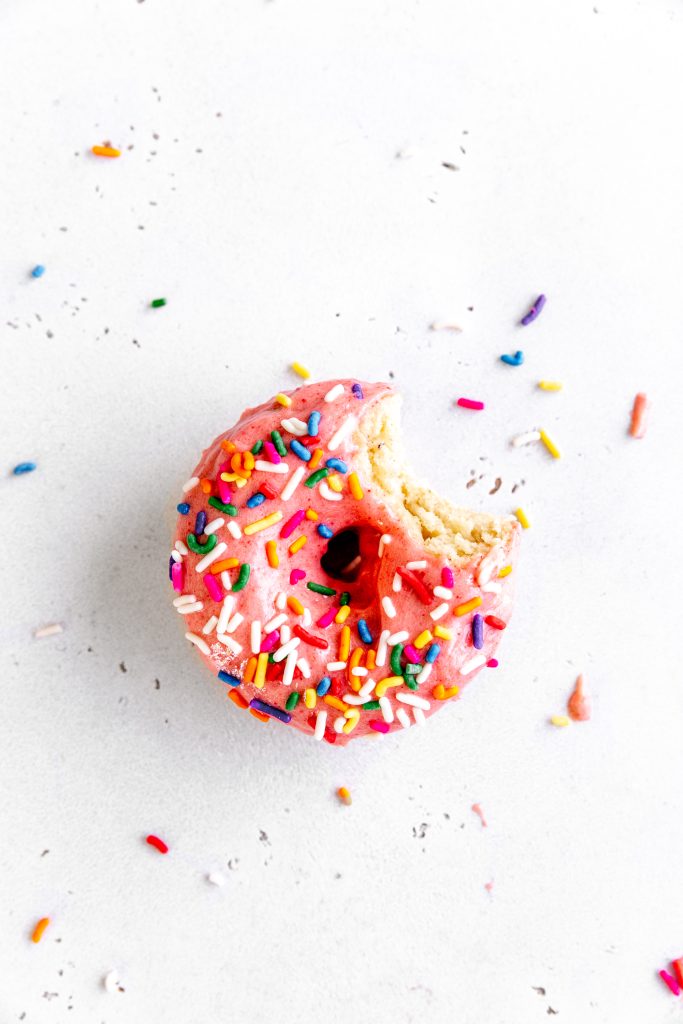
point(256, 450)
point(396, 652)
point(271, 659)
point(157, 303)
point(276, 438)
point(243, 578)
point(292, 701)
point(316, 477)
point(318, 588)
point(371, 705)
point(410, 682)
point(201, 549)
point(412, 670)
point(345, 598)
point(230, 510)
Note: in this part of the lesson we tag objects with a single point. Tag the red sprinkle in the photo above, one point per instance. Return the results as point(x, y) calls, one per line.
point(678, 970)
point(415, 584)
point(494, 622)
point(378, 725)
point(269, 491)
point(157, 843)
point(310, 638)
point(470, 403)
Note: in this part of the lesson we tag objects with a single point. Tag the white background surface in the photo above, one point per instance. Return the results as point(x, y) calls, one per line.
point(259, 192)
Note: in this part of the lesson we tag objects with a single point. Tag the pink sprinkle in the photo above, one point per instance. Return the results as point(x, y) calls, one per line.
point(213, 586)
point(412, 654)
point(470, 403)
point(492, 663)
point(638, 416)
point(667, 978)
point(296, 575)
point(489, 886)
point(292, 523)
point(224, 491)
point(269, 642)
point(325, 620)
point(271, 452)
point(379, 726)
point(478, 811)
point(447, 577)
point(178, 576)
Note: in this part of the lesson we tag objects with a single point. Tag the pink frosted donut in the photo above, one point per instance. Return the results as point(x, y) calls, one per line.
point(322, 585)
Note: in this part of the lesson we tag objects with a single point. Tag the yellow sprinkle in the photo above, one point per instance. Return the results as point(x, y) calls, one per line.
point(443, 634)
point(468, 606)
point(311, 513)
point(521, 516)
point(283, 400)
point(301, 370)
point(344, 642)
point(248, 460)
point(334, 702)
point(106, 151)
point(343, 614)
point(505, 571)
point(335, 483)
point(249, 671)
point(240, 481)
point(384, 684)
point(370, 661)
point(295, 605)
point(549, 385)
point(355, 487)
point(440, 692)
point(271, 554)
point(422, 640)
point(261, 666)
point(559, 720)
point(263, 524)
point(353, 717)
point(315, 460)
point(39, 929)
point(226, 563)
point(229, 477)
point(296, 545)
point(550, 445)
point(344, 795)
point(353, 662)
point(310, 698)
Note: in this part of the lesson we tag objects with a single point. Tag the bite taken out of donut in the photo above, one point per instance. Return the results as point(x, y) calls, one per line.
point(321, 585)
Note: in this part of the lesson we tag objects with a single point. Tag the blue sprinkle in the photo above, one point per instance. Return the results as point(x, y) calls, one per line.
point(323, 686)
point(225, 677)
point(268, 709)
point(38, 270)
point(200, 523)
point(24, 467)
point(325, 531)
point(477, 632)
point(171, 563)
point(357, 390)
point(363, 632)
point(300, 449)
point(183, 508)
point(256, 500)
point(515, 360)
point(432, 654)
point(313, 424)
point(337, 464)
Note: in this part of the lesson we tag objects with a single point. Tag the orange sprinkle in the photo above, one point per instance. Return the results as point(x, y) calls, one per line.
point(334, 702)
point(343, 614)
point(39, 929)
point(468, 606)
point(354, 661)
point(259, 714)
point(248, 460)
point(370, 662)
point(205, 486)
point(228, 446)
point(478, 811)
point(249, 671)
point(311, 513)
point(297, 544)
point(226, 563)
point(295, 605)
point(578, 705)
point(260, 675)
point(505, 571)
point(440, 692)
point(638, 425)
point(236, 461)
point(315, 459)
point(344, 642)
point(271, 554)
point(237, 698)
point(344, 795)
point(106, 151)
point(355, 487)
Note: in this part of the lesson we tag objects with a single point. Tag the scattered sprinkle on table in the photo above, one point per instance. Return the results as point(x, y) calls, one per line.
point(157, 843)
point(39, 929)
point(522, 518)
point(52, 630)
point(344, 795)
point(560, 721)
point(301, 371)
point(216, 878)
point(158, 303)
point(549, 385)
point(534, 312)
point(678, 970)
point(670, 983)
point(38, 270)
point(106, 151)
point(480, 814)
point(440, 325)
point(515, 360)
point(112, 982)
point(24, 467)
point(578, 705)
point(470, 403)
point(550, 445)
point(529, 438)
point(638, 416)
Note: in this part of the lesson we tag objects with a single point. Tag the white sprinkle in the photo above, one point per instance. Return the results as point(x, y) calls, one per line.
point(490, 565)
point(280, 601)
point(228, 642)
point(213, 525)
point(339, 724)
point(320, 722)
point(52, 630)
point(476, 662)
point(306, 618)
point(327, 492)
point(176, 556)
point(402, 716)
point(191, 484)
point(112, 983)
point(179, 546)
point(198, 642)
point(290, 665)
point(225, 613)
point(439, 611)
point(381, 658)
point(274, 624)
point(255, 636)
point(416, 565)
point(366, 689)
point(285, 634)
point(304, 667)
point(294, 426)
point(407, 153)
point(281, 653)
point(386, 709)
point(235, 621)
point(225, 580)
point(424, 675)
point(398, 638)
point(354, 699)
point(389, 607)
point(185, 599)
point(492, 588)
point(443, 592)
point(383, 541)
point(212, 557)
point(292, 484)
point(334, 393)
point(396, 583)
point(234, 530)
point(529, 438)
point(336, 439)
point(271, 467)
point(189, 609)
point(335, 666)
point(210, 625)
point(216, 878)
point(413, 700)
point(419, 716)
point(439, 325)
point(359, 671)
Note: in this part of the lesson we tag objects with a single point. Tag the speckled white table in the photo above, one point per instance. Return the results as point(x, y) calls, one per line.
point(259, 191)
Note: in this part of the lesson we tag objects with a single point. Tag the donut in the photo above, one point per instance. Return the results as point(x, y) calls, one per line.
point(323, 586)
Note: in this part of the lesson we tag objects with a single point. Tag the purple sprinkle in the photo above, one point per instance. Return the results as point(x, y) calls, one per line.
point(477, 631)
point(357, 390)
point(171, 563)
point(268, 709)
point(200, 523)
point(534, 311)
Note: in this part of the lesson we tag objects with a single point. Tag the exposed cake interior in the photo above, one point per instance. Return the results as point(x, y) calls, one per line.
point(458, 534)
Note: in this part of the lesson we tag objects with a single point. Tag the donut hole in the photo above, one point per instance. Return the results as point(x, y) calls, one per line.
point(351, 557)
